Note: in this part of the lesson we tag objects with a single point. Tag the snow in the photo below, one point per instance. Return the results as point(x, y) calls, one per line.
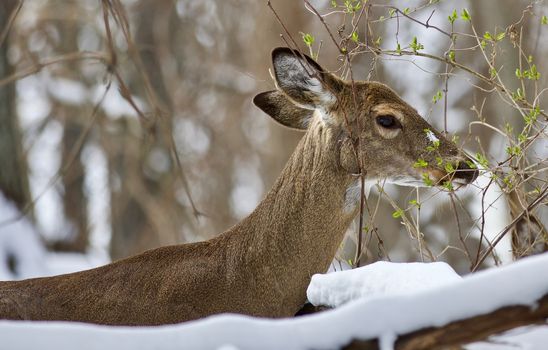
point(61, 263)
point(377, 280)
point(20, 239)
point(496, 215)
point(523, 338)
point(385, 316)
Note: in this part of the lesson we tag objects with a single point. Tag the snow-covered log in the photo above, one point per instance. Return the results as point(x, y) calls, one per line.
point(482, 303)
point(465, 331)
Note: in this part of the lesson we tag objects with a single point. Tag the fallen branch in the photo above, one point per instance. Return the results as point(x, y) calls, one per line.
point(465, 331)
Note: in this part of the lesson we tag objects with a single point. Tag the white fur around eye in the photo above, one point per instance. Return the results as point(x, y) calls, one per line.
point(387, 110)
point(388, 133)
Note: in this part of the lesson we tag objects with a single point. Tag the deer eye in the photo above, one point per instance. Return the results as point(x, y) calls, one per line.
point(388, 122)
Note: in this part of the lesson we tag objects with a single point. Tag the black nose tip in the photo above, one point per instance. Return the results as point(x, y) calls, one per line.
point(466, 172)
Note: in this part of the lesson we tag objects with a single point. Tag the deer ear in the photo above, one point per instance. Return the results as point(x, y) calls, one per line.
point(282, 110)
point(303, 80)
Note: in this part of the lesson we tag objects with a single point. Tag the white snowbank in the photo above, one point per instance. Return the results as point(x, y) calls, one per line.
point(521, 283)
point(523, 338)
point(379, 279)
point(61, 263)
point(19, 239)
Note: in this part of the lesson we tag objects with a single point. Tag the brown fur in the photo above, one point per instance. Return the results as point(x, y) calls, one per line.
point(261, 266)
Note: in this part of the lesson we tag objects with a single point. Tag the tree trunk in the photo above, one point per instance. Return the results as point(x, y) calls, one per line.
point(74, 198)
point(145, 212)
point(13, 171)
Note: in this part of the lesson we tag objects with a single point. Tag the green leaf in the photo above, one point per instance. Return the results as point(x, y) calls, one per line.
point(544, 20)
point(439, 161)
point(487, 36)
point(308, 39)
point(471, 164)
point(334, 3)
point(453, 17)
point(392, 12)
point(398, 213)
point(483, 43)
point(415, 45)
point(513, 150)
point(448, 185)
point(508, 181)
point(532, 73)
point(438, 96)
point(482, 160)
point(465, 15)
point(420, 163)
point(354, 37)
point(531, 117)
point(415, 203)
point(352, 5)
point(406, 10)
point(500, 36)
point(427, 180)
point(434, 146)
point(519, 74)
point(452, 55)
point(378, 41)
point(449, 168)
point(398, 48)
point(519, 95)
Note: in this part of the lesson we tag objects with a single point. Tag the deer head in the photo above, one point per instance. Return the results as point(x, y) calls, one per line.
point(379, 133)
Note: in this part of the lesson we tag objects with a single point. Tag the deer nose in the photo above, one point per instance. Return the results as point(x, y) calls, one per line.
point(466, 172)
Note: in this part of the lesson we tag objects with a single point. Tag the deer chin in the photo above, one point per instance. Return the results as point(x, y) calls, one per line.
point(405, 180)
point(439, 177)
point(417, 179)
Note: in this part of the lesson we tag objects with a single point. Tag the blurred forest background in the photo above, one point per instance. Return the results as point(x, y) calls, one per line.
point(126, 125)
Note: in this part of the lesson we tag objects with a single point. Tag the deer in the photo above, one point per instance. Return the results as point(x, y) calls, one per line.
point(263, 265)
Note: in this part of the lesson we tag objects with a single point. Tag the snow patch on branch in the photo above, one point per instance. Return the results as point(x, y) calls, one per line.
point(379, 279)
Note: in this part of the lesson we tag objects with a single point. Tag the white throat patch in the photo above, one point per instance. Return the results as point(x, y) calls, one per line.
point(352, 195)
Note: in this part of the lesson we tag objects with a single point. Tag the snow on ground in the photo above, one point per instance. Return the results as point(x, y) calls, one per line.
point(61, 263)
point(386, 316)
point(20, 241)
point(380, 279)
point(523, 338)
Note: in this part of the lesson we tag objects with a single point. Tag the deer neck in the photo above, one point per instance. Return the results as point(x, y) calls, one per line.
point(296, 230)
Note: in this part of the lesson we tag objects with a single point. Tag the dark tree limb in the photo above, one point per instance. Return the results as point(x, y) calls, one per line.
point(13, 170)
point(465, 331)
